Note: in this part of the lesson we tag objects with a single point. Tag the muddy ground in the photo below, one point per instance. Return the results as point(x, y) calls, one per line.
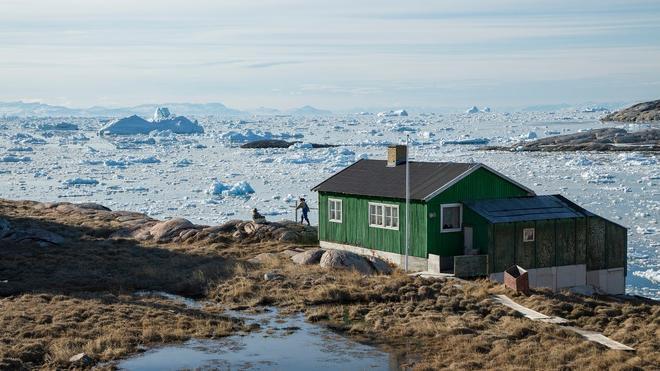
point(75, 295)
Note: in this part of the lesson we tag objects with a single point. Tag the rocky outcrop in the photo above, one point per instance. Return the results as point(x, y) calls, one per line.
point(607, 139)
point(41, 236)
point(278, 143)
point(130, 225)
point(641, 112)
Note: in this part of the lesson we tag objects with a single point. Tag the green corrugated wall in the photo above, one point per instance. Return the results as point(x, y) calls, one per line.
point(481, 184)
point(355, 230)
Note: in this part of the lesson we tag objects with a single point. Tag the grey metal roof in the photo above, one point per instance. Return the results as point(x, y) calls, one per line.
point(374, 178)
point(517, 209)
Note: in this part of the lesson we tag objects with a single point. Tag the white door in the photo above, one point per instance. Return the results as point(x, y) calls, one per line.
point(467, 240)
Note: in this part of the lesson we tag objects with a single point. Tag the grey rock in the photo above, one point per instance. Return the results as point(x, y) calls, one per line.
point(308, 257)
point(42, 236)
point(380, 266)
point(164, 231)
point(346, 260)
point(263, 257)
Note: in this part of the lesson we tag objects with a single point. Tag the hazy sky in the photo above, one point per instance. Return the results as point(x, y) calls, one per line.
point(331, 54)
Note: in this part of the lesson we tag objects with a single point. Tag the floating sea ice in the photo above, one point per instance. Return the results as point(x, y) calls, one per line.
point(146, 160)
point(637, 159)
point(20, 149)
point(81, 181)
point(579, 161)
point(595, 178)
point(552, 132)
point(649, 274)
point(183, 163)
point(467, 141)
point(11, 158)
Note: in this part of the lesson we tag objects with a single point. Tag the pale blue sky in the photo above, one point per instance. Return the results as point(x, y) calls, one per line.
point(331, 54)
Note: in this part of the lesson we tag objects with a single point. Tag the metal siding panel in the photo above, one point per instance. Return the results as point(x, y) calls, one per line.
point(545, 243)
point(616, 245)
point(525, 251)
point(565, 242)
point(503, 254)
point(596, 243)
point(581, 241)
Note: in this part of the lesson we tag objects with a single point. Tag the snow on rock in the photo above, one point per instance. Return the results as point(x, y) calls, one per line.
point(80, 181)
point(473, 109)
point(137, 125)
point(400, 112)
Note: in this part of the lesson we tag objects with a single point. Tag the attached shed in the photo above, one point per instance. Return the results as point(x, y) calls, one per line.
point(559, 243)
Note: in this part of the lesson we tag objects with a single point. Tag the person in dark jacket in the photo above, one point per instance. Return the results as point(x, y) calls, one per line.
point(302, 205)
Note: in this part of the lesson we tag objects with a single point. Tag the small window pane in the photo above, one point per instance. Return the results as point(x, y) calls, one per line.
point(451, 217)
point(395, 217)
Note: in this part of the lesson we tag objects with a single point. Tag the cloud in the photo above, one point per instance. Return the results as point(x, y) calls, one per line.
point(271, 64)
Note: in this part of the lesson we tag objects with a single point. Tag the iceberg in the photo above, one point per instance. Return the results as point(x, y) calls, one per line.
point(241, 188)
point(400, 112)
point(162, 120)
point(473, 109)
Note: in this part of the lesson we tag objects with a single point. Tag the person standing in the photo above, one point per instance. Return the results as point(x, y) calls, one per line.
point(302, 205)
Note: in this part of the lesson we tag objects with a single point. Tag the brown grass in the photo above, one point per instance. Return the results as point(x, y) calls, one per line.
point(74, 298)
point(45, 330)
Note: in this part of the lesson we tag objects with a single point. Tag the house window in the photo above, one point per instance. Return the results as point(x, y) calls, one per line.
point(383, 216)
point(334, 210)
point(529, 234)
point(451, 217)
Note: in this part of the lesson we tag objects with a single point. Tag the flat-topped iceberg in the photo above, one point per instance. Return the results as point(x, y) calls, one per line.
point(400, 112)
point(162, 120)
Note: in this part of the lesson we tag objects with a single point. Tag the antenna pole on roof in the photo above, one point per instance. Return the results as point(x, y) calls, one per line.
point(405, 263)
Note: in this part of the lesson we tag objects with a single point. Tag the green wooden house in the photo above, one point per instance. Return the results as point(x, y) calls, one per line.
point(468, 219)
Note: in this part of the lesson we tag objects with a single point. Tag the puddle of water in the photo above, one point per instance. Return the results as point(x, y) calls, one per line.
point(190, 303)
point(283, 343)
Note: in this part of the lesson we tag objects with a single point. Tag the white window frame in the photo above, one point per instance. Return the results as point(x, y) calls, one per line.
point(395, 211)
point(442, 216)
point(533, 234)
point(339, 202)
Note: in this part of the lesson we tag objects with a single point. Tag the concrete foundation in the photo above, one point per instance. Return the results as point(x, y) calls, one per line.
point(415, 264)
point(610, 281)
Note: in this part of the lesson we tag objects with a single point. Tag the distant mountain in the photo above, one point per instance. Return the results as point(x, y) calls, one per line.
point(640, 112)
point(309, 111)
point(41, 109)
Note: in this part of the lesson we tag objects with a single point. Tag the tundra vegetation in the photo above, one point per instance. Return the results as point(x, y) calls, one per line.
point(69, 274)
